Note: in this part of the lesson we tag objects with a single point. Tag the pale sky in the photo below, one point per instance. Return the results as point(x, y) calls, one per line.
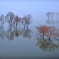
point(37, 8)
point(22, 47)
point(25, 7)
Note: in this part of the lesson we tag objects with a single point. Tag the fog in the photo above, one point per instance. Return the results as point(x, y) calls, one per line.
point(22, 47)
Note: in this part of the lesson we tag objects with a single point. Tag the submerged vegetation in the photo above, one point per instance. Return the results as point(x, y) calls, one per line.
point(14, 20)
point(19, 26)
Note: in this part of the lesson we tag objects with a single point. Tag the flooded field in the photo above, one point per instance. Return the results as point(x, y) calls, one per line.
point(29, 29)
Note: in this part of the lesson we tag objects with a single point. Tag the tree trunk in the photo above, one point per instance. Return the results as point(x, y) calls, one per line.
point(48, 18)
point(43, 36)
point(16, 25)
point(49, 39)
point(24, 26)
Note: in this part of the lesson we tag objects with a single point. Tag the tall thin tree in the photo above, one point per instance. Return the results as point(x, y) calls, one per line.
point(48, 14)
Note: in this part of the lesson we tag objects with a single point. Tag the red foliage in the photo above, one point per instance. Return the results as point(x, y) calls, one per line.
point(26, 19)
point(48, 31)
point(17, 20)
point(43, 29)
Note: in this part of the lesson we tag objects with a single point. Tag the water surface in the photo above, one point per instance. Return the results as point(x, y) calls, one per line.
point(19, 43)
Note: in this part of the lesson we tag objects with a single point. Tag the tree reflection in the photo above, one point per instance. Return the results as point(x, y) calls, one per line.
point(17, 32)
point(46, 45)
point(9, 34)
point(27, 33)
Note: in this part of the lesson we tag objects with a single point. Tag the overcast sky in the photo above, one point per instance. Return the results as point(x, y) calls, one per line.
point(25, 7)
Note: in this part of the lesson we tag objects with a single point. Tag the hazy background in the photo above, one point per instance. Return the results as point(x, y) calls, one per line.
point(22, 47)
point(37, 8)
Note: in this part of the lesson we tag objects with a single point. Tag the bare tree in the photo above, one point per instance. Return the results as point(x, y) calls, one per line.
point(10, 17)
point(17, 20)
point(57, 15)
point(26, 20)
point(48, 14)
point(23, 21)
point(2, 18)
point(52, 14)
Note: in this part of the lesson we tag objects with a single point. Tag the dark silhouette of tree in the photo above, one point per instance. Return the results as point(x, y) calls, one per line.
point(57, 15)
point(9, 17)
point(2, 33)
point(26, 20)
point(23, 22)
point(52, 14)
point(17, 20)
point(2, 18)
point(48, 14)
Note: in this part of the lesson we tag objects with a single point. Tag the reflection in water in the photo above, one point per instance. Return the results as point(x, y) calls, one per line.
point(1, 33)
point(47, 36)
point(46, 45)
point(11, 33)
point(17, 32)
point(27, 33)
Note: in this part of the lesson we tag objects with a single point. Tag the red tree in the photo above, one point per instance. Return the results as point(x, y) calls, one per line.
point(48, 31)
point(17, 20)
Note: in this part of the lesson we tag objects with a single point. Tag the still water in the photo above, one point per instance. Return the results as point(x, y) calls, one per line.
point(24, 44)
point(16, 42)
